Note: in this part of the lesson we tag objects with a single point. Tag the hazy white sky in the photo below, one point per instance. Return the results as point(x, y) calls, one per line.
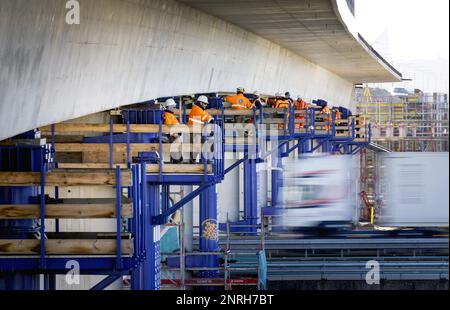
point(413, 35)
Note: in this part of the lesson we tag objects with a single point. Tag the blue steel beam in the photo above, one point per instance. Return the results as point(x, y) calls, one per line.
point(209, 231)
point(237, 163)
point(106, 282)
point(161, 218)
point(250, 195)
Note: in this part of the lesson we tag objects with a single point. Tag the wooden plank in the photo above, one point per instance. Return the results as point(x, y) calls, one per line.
point(65, 178)
point(120, 147)
point(104, 147)
point(240, 140)
point(273, 121)
point(65, 246)
point(342, 135)
point(179, 169)
point(231, 126)
point(101, 128)
point(72, 157)
point(117, 128)
point(227, 112)
point(89, 165)
point(65, 211)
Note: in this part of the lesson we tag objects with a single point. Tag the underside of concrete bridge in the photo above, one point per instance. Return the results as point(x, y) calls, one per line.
point(128, 51)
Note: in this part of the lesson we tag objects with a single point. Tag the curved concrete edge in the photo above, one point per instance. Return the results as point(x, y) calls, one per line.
point(55, 72)
point(349, 22)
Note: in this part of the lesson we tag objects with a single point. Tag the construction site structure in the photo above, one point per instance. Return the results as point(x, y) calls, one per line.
point(418, 122)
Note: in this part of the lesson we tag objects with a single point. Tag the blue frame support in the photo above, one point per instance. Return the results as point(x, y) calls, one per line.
point(250, 196)
point(277, 167)
point(119, 218)
point(152, 261)
point(42, 219)
point(209, 231)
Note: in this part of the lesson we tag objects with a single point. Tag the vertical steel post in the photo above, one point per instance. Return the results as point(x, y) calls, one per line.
point(111, 144)
point(250, 195)
point(42, 262)
point(119, 218)
point(136, 275)
point(277, 166)
point(209, 231)
point(152, 261)
point(128, 145)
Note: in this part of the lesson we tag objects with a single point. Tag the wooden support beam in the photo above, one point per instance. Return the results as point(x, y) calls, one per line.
point(89, 165)
point(227, 112)
point(104, 147)
point(231, 126)
point(179, 169)
point(240, 140)
point(65, 246)
point(117, 128)
point(68, 210)
point(121, 147)
point(65, 178)
point(342, 135)
point(100, 128)
point(300, 130)
point(273, 121)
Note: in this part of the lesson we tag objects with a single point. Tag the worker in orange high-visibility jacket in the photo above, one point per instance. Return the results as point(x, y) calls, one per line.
point(239, 101)
point(169, 115)
point(337, 114)
point(282, 103)
point(198, 115)
point(171, 119)
point(300, 105)
point(327, 112)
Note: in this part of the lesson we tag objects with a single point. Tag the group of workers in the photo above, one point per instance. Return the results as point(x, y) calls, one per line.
point(239, 101)
point(198, 114)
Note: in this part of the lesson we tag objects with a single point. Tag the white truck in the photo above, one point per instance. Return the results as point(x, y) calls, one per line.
point(318, 191)
point(414, 190)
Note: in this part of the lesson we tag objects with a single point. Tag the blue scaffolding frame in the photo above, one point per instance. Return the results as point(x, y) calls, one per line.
point(145, 192)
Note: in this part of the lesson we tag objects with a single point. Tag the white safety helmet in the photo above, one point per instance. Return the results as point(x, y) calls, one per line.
point(279, 95)
point(170, 103)
point(256, 93)
point(203, 99)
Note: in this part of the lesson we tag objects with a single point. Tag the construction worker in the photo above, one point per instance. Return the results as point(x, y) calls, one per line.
point(327, 112)
point(282, 103)
point(337, 117)
point(169, 115)
point(287, 96)
point(170, 119)
point(239, 101)
point(199, 116)
point(337, 113)
point(258, 102)
point(300, 105)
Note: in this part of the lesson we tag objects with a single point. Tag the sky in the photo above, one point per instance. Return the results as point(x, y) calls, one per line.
point(412, 35)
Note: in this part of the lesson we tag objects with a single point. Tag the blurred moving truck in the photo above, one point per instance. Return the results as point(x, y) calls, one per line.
point(318, 191)
point(414, 190)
